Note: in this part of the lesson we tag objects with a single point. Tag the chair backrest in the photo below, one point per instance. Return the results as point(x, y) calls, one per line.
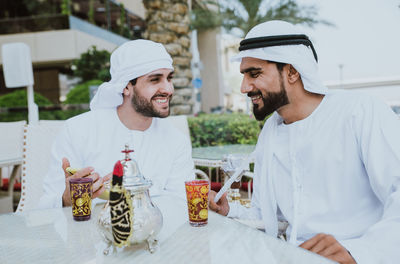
point(181, 123)
point(38, 140)
point(11, 139)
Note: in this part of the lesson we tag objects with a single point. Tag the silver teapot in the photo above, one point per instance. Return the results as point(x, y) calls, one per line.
point(144, 217)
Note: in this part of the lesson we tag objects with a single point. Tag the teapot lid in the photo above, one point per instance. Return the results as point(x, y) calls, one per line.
point(133, 179)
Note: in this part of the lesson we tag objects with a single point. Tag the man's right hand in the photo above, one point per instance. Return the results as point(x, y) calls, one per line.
point(221, 207)
point(98, 187)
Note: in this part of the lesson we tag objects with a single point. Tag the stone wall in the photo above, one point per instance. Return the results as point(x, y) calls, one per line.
point(168, 23)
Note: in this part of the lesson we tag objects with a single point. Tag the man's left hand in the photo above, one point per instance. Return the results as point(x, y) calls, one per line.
point(327, 246)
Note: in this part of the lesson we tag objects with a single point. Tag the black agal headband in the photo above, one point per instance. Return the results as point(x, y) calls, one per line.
point(281, 40)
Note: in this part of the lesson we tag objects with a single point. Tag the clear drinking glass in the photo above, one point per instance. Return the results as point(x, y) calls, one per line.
point(231, 163)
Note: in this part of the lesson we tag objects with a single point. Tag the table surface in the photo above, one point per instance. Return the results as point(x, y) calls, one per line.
point(218, 152)
point(52, 236)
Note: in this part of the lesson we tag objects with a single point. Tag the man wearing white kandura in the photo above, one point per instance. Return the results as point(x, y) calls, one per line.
point(326, 161)
point(129, 109)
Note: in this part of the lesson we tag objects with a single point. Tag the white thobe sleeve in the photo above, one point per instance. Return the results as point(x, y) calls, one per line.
point(377, 129)
point(182, 168)
point(54, 181)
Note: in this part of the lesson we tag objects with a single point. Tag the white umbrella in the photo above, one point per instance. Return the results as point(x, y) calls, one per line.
point(17, 68)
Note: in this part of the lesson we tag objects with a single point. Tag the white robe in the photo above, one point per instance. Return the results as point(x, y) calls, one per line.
point(335, 172)
point(96, 139)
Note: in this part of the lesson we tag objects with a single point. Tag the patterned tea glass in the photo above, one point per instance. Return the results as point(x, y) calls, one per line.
point(197, 200)
point(81, 198)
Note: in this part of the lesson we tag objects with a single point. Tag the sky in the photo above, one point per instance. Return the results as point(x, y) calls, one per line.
point(365, 39)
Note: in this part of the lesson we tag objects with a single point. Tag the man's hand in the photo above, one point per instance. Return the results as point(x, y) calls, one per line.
point(102, 187)
point(98, 186)
point(327, 246)
point(222, 207)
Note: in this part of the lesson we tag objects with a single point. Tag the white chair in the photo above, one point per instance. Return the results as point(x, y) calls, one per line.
point(38, 140)
point(181, 123)
point(11, 138)
point(36, 156)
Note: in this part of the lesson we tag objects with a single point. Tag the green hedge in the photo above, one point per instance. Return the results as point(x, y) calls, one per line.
point(80, 93)
point(43, 115)
point(223, 129)
point(18, 98)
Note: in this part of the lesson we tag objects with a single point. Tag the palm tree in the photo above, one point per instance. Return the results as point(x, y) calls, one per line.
point(239, 16)
point(168, 23)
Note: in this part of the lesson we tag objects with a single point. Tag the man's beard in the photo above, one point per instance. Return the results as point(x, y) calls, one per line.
point(146, 108)
point(271, 102)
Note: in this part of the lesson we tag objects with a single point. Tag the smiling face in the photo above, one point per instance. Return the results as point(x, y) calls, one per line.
point(263, 83)
point(152, 93)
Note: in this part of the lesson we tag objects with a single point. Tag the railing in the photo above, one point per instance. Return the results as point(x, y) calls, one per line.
point(52, 15)
point(33, 24)
point(81, 25)
point(56, 22)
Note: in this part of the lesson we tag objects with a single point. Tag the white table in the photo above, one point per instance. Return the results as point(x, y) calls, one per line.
point(52, 236)
point(212, 156)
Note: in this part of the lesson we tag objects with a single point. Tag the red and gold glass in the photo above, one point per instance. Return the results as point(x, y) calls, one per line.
point(81, 198)
point(197, 200)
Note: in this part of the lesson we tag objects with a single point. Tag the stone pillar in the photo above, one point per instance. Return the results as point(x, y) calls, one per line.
point(168, 23)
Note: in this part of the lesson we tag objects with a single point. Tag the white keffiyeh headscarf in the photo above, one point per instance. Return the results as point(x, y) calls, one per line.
point(299, 56)
point(129, 61)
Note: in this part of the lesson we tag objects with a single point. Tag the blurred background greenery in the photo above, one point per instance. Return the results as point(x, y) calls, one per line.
point(223, 129)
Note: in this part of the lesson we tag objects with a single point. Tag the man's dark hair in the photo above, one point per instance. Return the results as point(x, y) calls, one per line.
point(133, 81)
point(279, 65)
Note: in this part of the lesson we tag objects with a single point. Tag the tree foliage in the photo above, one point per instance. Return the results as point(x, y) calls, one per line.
point(93, 65)
point(239, 16)
point(65, 7)
point(25, 8)
point(91, 12)
point(206, 17)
